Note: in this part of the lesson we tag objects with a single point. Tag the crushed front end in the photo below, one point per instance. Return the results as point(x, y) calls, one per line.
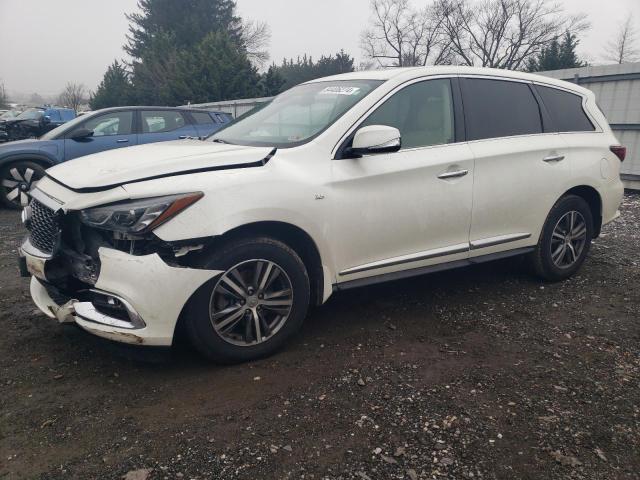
point(121, 286)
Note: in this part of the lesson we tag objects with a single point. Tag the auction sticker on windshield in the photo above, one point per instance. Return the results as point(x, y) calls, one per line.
point(340, 91)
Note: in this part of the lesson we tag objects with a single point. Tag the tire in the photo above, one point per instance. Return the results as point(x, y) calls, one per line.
point(16, 179)
point(553, 259)
point(237, 341)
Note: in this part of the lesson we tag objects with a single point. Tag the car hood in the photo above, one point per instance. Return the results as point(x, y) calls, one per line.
point(113, 168)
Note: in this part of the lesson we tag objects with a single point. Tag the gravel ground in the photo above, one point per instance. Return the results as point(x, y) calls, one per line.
point(477, 373)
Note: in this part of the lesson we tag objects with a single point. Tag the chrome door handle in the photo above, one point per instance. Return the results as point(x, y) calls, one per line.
point(457, 173)
point(553, 158)
point(122, 140)
point(182, 137)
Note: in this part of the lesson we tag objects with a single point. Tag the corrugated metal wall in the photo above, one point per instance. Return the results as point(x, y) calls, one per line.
point(617, 89)
point(234, 107)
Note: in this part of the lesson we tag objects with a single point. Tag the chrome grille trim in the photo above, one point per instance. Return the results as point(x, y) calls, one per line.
point(44, 226)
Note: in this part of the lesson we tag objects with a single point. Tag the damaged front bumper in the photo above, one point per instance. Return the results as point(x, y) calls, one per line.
point(136, 299)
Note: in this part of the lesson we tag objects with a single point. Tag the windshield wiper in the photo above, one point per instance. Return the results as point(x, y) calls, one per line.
point(217, 140)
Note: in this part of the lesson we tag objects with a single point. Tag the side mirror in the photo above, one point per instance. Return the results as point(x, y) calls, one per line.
point(376, 139)
point(81, 133)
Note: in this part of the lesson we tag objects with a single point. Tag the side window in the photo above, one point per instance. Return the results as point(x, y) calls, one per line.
point(54, 115)
point(115, 123)
point(497, 108)
point(566, 110)
point(157, 121)
point(202, 118)
point(423, 112)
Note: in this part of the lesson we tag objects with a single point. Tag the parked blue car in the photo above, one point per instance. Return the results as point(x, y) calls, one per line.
point(24, 161)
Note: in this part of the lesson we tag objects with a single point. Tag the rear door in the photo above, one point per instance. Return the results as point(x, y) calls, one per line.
point(110, 130)
point(520, 171)
point(164, 125)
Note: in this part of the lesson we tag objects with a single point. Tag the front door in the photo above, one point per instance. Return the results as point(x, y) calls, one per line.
point(411, 208)
point(110, 130)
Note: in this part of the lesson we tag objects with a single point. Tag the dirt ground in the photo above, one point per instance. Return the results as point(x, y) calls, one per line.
point(481, 372)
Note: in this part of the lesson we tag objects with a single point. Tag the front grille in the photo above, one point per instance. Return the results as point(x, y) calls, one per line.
point(44, 227)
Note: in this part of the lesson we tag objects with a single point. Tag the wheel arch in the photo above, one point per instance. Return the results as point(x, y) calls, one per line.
point(594, 200)
point(39, 158)
point(294, 237)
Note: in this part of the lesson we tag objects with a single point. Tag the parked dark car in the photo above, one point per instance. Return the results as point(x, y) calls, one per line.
point(34, 122)
point(23, 162)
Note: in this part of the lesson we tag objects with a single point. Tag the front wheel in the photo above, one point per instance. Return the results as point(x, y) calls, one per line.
point(251, 309)
point(565, 239)
point(16, 180)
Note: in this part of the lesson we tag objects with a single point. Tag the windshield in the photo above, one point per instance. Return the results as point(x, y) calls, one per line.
point(30, 114)
point(8, 114)
point(297, 115)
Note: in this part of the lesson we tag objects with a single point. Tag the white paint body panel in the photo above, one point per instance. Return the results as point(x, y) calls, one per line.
point(364, 215)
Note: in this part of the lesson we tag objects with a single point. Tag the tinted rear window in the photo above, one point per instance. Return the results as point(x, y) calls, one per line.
point(566, 110)
point(202, 118)
point(496, 108)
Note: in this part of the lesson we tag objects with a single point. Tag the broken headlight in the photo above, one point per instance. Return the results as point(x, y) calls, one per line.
point(138, 216)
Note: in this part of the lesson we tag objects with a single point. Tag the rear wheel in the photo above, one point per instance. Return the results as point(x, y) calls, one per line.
point(565, 239)
point(16, 180)
point(254, 306)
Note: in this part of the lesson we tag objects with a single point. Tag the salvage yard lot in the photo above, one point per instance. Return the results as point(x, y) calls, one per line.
point(475, 373)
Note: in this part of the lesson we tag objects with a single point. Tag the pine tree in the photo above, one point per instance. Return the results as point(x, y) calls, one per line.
point(217, 69)
point(114, 90)
point(557, 55)
point(189, 21)
point(271, 82)
point(305, 69)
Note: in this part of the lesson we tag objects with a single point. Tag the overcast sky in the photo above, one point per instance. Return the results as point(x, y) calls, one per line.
point(45, 43)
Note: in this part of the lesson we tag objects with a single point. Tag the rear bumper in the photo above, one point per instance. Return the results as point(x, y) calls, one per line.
point(149, 294)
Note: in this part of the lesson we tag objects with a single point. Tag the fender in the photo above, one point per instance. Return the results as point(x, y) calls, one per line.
point(38, 157)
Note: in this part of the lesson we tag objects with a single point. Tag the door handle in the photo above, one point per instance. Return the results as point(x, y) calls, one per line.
point(553, 158)
point(182, 137)
point(122, 140)
point(457, 173)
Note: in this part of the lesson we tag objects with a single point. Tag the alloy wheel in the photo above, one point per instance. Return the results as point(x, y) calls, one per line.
point(568, 239)
point(251, 302)
point(16, 182)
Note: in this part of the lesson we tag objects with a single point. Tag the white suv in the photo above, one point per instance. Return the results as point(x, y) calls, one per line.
point(339, 182)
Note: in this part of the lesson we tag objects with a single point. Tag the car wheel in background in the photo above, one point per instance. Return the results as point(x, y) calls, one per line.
point(565, 239)
point(251, 309)
point(16, 180)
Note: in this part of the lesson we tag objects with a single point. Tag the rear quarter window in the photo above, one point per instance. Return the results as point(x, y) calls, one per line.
point(566, 110)
point(499, 108)
point(202, 118)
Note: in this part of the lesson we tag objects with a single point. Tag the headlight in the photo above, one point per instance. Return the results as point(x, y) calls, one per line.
point(138, 216)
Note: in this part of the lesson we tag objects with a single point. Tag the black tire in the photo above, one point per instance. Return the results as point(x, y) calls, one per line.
point(196, 314)
point(27, 172)
point(541, 260)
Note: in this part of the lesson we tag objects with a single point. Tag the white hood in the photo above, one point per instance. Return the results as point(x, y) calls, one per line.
point(118, 167)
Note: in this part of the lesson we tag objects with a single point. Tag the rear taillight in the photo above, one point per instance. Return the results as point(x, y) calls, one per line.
point(619, 151)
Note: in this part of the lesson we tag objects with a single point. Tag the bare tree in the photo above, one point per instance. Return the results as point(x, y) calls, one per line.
point(503, 33)
point(256, 37)
point(73, 95)
point(402, 36)
point(624, 47)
